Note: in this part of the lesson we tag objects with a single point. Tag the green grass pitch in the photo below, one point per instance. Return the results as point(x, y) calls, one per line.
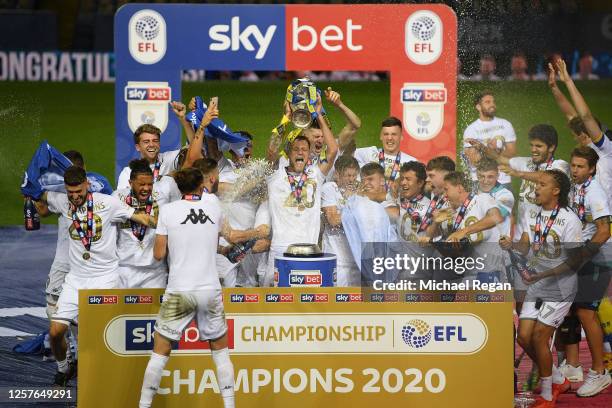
point(81, 116)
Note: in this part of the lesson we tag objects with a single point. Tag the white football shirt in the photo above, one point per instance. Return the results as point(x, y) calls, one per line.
point(168, 164)
point(192, 228)
point(497, 129)
point(133, 252)
point(365, 155)
point(108, 211)
point(292, 222)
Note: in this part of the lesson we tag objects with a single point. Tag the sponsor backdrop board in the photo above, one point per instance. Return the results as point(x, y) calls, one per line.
point(416, 44)
point(307, 348)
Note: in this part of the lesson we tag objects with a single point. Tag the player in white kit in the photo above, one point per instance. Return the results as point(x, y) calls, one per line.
point(333, 200)
point(474, 217)
point(294, 196)
point(389, 156)
point(589, 202)
point(187, 234)
point(552, 235)
point(92, 252)
point(495, 132)
point(146, 139)
point(137, 267)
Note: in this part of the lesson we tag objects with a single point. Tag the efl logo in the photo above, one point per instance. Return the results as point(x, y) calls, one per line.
point(147, 38)
point(423, 37)
point(147, 94)
point(419, 297)
point(423, 109)
point(244, 298)
point(418, 333)
point(133, 335)
point(136, 299)
point(305, 278)
point(282, 298)
point(103, 300)
point(314, 298)
point(232, 36)
point(349, 297)
point(147, 102)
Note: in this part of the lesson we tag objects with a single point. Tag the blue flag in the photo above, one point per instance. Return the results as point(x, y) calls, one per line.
point(46, 173)
point(218, 129)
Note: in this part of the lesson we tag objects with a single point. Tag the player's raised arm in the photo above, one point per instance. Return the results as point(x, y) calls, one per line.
point(180, 110)
point(566, 107)
point(233, 236)
point(195, 148)
point(580, 104)
point(353, 122)
point(328, 138)
point(160, 247)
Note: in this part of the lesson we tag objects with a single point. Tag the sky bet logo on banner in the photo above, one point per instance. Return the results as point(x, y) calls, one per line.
point(147, 102)
point(133, 335)
point(102, 300)
point(147, 36)
point(423, 109)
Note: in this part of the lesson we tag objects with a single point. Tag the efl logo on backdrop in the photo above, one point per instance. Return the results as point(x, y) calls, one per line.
point(423, 109)
point(147, 38)
point(423, 37)
point(147, 102)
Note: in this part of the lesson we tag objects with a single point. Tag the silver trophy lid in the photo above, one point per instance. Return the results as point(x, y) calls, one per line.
point(302, 250)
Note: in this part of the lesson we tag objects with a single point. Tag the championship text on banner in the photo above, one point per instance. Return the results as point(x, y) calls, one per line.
point(416, 44)
point(306, 348)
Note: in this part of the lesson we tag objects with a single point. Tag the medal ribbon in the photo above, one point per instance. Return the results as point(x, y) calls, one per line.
point(396, 163)
point(548, 164)
point(539, 237)
point(139, 230)
point(407, 205)
point(435, 204)
point(462, 211)
point(581, 197)
point(84, 237)
point(156, 170)
point(296, 188)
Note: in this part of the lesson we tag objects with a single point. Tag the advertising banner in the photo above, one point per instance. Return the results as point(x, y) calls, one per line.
point(307, 348)
point(415, 44)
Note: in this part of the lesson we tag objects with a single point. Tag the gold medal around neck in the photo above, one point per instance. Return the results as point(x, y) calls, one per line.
point(86, 255)
point(301, 207)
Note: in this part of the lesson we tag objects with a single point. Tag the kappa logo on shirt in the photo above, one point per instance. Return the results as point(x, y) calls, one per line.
point(199, 218)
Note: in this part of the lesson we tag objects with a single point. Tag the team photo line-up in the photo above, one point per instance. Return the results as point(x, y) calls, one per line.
point(210, 215)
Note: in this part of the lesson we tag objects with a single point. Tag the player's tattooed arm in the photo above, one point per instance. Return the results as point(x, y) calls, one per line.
point(491, 219)
point(233, 236)
point(144, 219)
point(571, 265)
point(42, 206)
point(332, 215)
point(195, 147)
point(180, 110)
point(484, 150)
point(160, 248)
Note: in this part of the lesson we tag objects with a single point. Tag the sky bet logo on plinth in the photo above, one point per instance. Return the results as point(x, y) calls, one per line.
point(147, 36)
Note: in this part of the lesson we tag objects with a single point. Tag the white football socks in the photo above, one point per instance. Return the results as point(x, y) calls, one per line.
point(546, 383)
point(225, 376)
point(557, 376)
point(152, 378)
